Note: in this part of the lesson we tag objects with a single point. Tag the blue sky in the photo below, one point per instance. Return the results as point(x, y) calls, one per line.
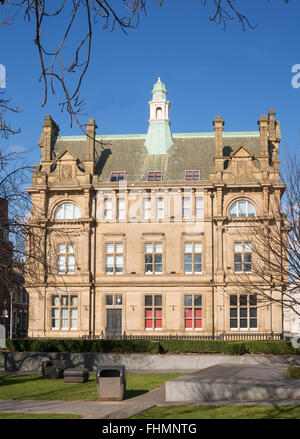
point(207, 71)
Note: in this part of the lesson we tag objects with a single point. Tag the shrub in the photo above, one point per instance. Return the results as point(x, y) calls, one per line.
point(271, 347)
point(234, 348)
point(293, 372)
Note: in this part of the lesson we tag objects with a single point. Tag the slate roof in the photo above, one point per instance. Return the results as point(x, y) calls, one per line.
point(190, 151)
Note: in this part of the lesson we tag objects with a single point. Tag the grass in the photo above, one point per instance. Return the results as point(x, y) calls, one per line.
point(293, 372)
point(222, 412)
point(35, 387)
point(38, 416)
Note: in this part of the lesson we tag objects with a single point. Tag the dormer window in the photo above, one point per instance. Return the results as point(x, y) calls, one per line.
point(192, 175)
point(155, 176)
point(118, 176)
point(242, 208)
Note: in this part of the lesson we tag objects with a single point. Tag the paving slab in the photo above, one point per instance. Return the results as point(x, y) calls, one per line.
point(227, 382)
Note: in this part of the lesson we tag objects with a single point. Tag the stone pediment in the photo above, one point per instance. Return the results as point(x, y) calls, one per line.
point(66, 155)
point(241, 152)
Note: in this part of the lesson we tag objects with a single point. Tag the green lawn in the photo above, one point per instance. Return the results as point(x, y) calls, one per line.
point(223, 412)
point(36, 387)
point(38, 416)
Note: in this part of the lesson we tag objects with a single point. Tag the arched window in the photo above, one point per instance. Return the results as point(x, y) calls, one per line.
point(158, 113)
point(242, 208)
point(67, 211)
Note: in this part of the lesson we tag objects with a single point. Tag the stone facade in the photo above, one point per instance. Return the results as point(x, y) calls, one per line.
point(144, 234)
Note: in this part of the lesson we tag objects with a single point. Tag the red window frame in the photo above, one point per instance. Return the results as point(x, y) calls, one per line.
point(154, 176)
point(192, 175)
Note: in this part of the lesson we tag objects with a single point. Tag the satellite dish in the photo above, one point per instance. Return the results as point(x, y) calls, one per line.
point(296, 341)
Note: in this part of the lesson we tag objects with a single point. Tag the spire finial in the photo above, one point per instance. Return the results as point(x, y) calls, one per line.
point(159, 79)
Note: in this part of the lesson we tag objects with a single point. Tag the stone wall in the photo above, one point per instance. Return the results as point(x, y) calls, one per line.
point(31, 361)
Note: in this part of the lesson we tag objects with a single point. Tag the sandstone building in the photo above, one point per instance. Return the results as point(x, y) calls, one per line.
point(142, 233)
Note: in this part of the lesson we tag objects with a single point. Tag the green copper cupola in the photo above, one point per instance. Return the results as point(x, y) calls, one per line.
point(159, 138)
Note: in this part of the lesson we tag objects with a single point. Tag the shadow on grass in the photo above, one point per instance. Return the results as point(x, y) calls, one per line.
point(6, 380)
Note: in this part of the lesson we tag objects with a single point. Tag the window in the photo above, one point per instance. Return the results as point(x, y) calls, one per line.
point(153, 312)
point(154, 176)
point(186, 207)
point(153, 258)
point(242, 208)
point(242, 257)
point(118, 176)
point(243, 311)
point(67, 211)
point(192, 175)
point(114, 300)
point(114, 258)
point(66, 259)
point(64, 312)
point(199, 207)
point(108, 208)
point(192, 257)
point(192, 312)
point(160, 211)
point(121, 208)
point(147, 208)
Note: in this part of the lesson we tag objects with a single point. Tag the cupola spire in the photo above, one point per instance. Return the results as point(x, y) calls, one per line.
point(159, 138)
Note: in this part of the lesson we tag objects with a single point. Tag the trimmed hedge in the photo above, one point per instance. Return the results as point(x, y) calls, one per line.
point(71, 345)
point(280, 347)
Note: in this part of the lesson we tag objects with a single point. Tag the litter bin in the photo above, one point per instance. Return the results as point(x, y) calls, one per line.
point(111, 383)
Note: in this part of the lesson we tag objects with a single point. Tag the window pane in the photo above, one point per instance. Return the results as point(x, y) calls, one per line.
point(118, 300)
point(158, 248)
point(55, 301)
point(74, 301)
point(253, 300)
point(233, 312)
point(253, 323)
point(70, 248)
point(188, 300)
point(197, 300)
point(109, 264)
point(188, 247)
point(68, 211)
point(199, 207)
point(253, 312)
point(233, 300)
point(198, 247)
point(119, 248)
point(251, 210)
point(243, 312)
point(248, 247)
point(59, 212)
point(148, 300)
point(70, 264)
point(158, 300)
point(243, 323)
point(188, 323)
point(64, 318)
point(242, 208)
point(55, 318)
point(238, 247)
point(61, 248)
point(64, 300)
point(148, 248)
point(73, 318)
point(233, 323)
point(119, 263)
point(61, 264)
point(109, 300)
point(233, 210)
point(243, 300)
point(109, 248)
